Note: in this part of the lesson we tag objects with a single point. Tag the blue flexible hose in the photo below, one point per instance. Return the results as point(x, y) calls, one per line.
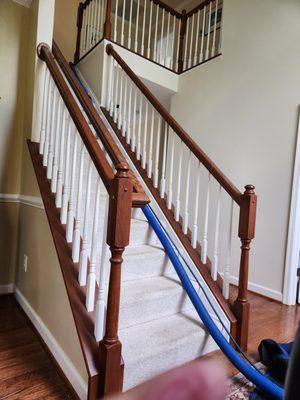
point(249, 372)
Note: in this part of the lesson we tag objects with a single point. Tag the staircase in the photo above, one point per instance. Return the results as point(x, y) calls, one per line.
point(97, 166)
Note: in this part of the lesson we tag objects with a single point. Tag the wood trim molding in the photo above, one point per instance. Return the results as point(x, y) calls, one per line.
point(24, 3)
point(7, 289)
point(32, 201)
point(63, 361)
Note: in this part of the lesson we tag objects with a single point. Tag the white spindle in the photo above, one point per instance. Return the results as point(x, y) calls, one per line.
point(56, 144)
point(164, 163)
point(178, 45)
point(144, 154)
point(226, 279)
point(116, 94)
point(85, 248)
point(137, 26)
point(203, 34)
point(130, 25)
point(179, 174)
point(120, 103)
point(208, 33)
point(167, 43)
point(88, 27)
point(150, 161)
point(91, 283)
point(44, 110)
point(128, 135)
point(197, 38)
point(100, 305)
point(150, 30)
point(206, 218)
point(116, 22)
point(158, 144)
point(66, 187)
point(125, 106)
point(109, 87)
point(48, 122)
point(161, 50)
point(77, 230)
point(59, 189)
point(171, 64)
point(196, 210)
point(155, 35)
point(143, 28)
point(123, 23)
point(94, 23)
point(171, 171)
point(213, 49)
point(138, 149)
point(215, 263)
point(186, 42)
point(187, 196)
point(99, 20)
point(71, 208)
point(133, 139)
point(113, 88)
point(49, 161)
point(191, 42)
point(83, 31)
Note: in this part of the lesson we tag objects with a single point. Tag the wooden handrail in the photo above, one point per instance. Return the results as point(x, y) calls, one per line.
point(139, 196)
point(168, 8)
point(87, 136)
point(230, 188)
point(198, 8)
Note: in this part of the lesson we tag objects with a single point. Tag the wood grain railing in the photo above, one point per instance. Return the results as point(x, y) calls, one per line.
point(175, 40)
point(195, 195)
point(88, 192)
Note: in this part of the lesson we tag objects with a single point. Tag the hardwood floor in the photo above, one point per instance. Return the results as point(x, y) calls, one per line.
point(26, 370)
point(268, 320)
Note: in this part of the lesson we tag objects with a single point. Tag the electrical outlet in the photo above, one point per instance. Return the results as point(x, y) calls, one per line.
point(25, 262)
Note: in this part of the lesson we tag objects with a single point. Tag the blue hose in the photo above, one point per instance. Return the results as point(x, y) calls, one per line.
point(249, 372)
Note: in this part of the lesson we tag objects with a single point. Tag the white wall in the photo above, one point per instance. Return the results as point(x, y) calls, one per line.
point(242, 110)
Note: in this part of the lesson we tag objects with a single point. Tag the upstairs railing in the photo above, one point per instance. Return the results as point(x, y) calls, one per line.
point(94, 192)
point(176, 40)
point(201, 203)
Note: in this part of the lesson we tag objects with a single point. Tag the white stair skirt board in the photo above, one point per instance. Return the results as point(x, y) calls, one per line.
point(7, 289)
point(75, 379)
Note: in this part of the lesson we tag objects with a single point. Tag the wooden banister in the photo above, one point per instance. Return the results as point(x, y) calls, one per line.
point(198, 8)
point(89, 140)
point(230, 188)
point(139, 198)
point(167, 8)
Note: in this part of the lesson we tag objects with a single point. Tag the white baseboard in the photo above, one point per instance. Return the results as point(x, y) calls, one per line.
point(32, 201)
point(255, 287)
point(6, 289)
point(75, 379)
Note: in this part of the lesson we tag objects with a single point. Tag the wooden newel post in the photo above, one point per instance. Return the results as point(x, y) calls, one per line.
point(118, 231)
point(79, 28)
point(107, 24)
point(181, 42)
point(246, 234)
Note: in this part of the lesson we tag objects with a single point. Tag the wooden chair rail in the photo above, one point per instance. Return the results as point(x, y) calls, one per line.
point(90, 142)
point(230, 188)
point(139, 198)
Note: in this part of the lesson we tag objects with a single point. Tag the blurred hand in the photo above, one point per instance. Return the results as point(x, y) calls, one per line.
point(201, 380)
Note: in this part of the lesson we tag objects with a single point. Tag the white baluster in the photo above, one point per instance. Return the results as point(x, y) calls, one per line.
point(164, 163)
point(192, 41)
point(123, 22)
point(150, 161)
point(187, 197)
point(208, 33)
point(150, 30)
point(186, 40)
point(88, 45)
point(173, 43)
point(179, 173)
point(203, 34)
point(125, 106)
point(196, 210)
point(178, 45)
point(100, 305)
point(197, 38)
point(66, 187)
point(77, 230)
point(155, 35)
point(138, 149)
point(167, 43)
point(161, 51)
point(109, 87)
point(49, 162)
point(144, 156)
point(94, 23)
point(226, 280)
point(91, 283)
point(113, 88)
point(116, 23)
point(99, 20)
point(116, 105)
point(56, 143)
point(71, 208)
point(83, 32)
point(206, 217)
point(48, 123)
point(137, 26)
point(120, 101)
point(215, 263)
point(158, 144)
point(143, 28)
point(44, 110)
point(213, 49)
point(85, 248)
point(170, 191)
point(128, 135)
point(130, 25)
point(58, 197)
point(133, 139)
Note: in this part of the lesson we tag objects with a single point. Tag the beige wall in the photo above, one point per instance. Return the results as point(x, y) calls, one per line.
point(65, 28)
point(242, 110)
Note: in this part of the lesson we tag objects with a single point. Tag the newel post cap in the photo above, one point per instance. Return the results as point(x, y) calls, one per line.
point(39, 49)
point(109, 49)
